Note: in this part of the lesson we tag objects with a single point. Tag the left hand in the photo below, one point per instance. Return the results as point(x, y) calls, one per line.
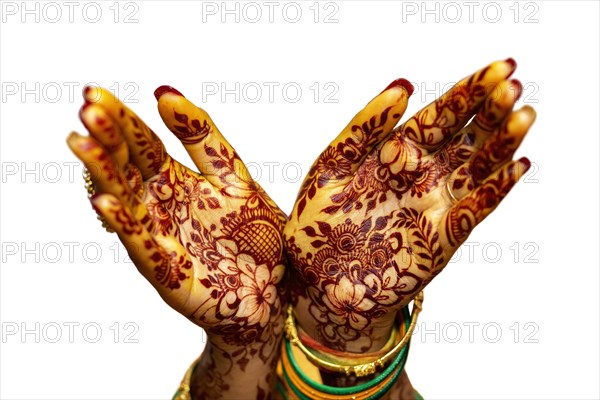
point(382, 210)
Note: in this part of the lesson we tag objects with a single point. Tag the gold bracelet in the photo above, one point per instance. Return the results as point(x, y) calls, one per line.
point(89, 186)
point(356, 368)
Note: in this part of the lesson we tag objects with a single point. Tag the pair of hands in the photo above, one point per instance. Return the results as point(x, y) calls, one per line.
point(379, 215)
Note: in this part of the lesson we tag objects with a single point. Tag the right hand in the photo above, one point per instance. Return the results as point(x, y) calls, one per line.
point(209, 241)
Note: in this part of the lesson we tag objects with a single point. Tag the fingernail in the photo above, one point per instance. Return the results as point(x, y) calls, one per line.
point(166, 89)
point(524, 161)
point(87, 94)
point(401, 83)
point(518, 88)
point(512, 63)
point(81, 111)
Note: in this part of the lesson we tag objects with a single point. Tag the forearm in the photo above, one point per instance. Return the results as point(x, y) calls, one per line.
point(237, 372)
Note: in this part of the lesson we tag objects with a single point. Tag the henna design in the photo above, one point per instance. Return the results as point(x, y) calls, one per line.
point(378, 236)
point(242, 252)
point(191, 132)
point(359, 273)
point(169, 271)
point(134, 179)
point(208, 380)
point(243, 258)
point(128, 224)
point(371, 184)
point(211, 247)
point(335, 162)
point(432, 127)
point(147, 144)
point(471, 210)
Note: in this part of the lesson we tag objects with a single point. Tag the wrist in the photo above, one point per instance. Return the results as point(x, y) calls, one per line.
point(241, 365)
point(233, 373)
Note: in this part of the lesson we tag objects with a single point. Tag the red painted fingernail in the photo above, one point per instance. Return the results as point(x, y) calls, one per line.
point(526, 163)
point(166, 89)
point(518, 88)
point(86, 94)
point(402, 83)
point(512, 62)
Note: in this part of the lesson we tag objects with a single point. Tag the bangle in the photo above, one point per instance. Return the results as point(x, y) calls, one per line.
point(352, 366)
point(295, 384)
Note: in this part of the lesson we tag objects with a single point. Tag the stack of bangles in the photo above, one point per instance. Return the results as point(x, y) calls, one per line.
point(386, 364)
point(302, 358)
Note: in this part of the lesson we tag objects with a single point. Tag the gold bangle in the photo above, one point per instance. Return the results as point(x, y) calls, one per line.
point(313, 393)
point(89, 187)
point(356, 368)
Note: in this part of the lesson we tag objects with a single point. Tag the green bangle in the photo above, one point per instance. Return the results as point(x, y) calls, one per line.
point(392, 382)
point(281, 390)
point(400, 359)
point(297, 392)
point(375, 396)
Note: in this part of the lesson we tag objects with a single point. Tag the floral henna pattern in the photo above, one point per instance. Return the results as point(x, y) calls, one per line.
point(335, 162)
point(370, 185)
point(376, 180)
point(241, 250)
point(361, 272)
point(209, 242)
point(361, 247)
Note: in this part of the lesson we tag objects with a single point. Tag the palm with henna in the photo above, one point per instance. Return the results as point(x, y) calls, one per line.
point(383, 209)
point(209, 241)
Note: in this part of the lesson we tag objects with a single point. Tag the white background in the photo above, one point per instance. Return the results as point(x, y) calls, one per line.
point(529, 289)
